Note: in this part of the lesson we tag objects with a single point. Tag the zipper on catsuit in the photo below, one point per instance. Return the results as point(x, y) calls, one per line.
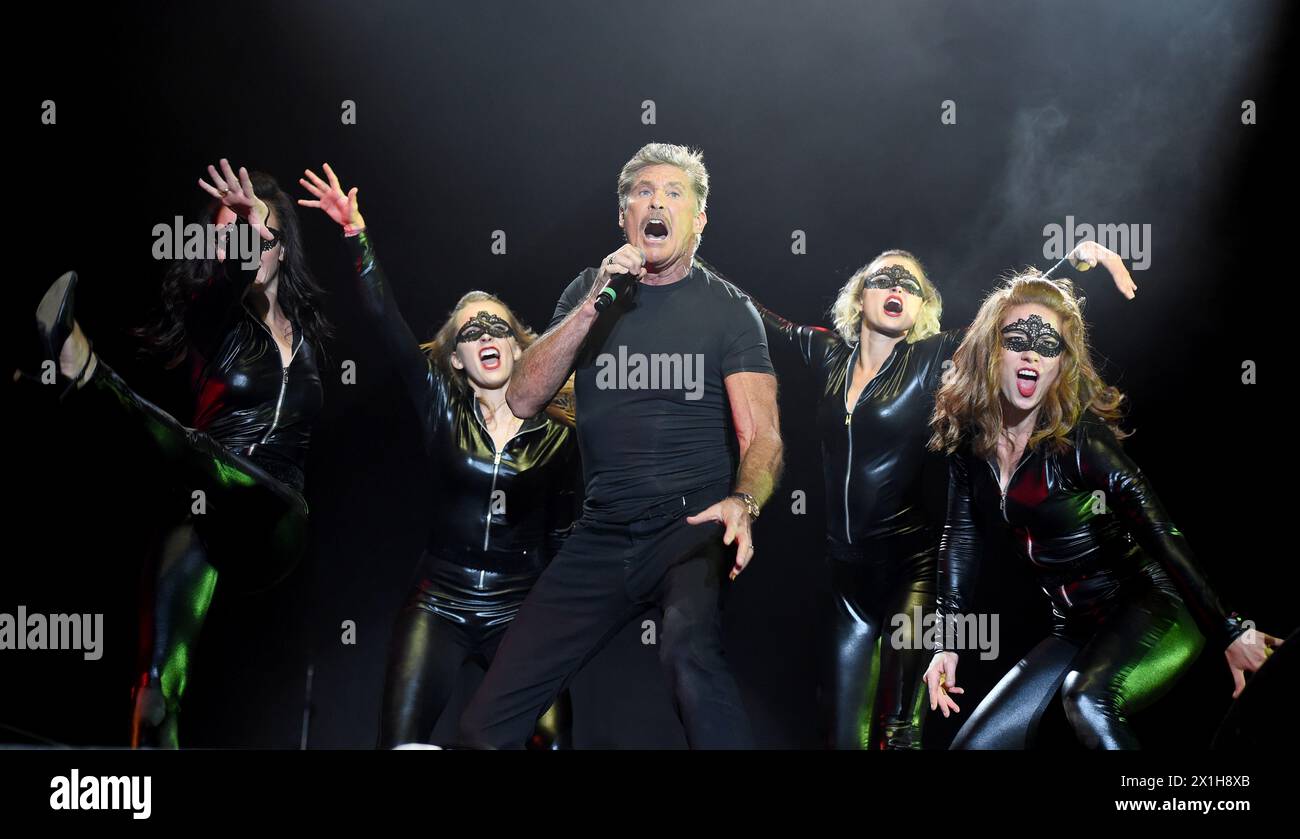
point(496, 465)
point(487, 524)
point(848, 470)
point(284, 383)
point(998, 480)
point(848, 427)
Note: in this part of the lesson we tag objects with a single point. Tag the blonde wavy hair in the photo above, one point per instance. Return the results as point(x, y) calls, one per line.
point(968, 405)
point(846, 311)
point(440, 347)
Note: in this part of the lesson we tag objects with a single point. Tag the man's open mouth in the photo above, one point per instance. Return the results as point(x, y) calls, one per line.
point(655, 230)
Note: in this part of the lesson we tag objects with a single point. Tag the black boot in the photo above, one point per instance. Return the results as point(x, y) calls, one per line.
point(54, 324)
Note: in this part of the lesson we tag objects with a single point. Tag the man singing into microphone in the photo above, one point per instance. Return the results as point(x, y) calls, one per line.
point(672, 383)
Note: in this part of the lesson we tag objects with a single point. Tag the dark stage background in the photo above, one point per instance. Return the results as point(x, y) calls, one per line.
point(472, 118)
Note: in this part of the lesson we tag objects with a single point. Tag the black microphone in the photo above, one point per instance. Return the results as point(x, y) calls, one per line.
point(619, 284)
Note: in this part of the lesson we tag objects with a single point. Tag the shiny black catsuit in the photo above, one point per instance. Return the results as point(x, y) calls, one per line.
point(500, 517)
point(880, 545)
point(237, 474)
point(1126, 594)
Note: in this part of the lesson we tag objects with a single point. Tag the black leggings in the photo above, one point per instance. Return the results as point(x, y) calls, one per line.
point(456, 614)
point(246, 524)
point(1125, 661)
point(876, 693)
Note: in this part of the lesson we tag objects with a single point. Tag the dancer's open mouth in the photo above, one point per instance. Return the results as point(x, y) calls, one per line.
point(1027, 381)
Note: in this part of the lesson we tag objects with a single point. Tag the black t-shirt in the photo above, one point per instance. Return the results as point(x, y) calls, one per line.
point(654, 421)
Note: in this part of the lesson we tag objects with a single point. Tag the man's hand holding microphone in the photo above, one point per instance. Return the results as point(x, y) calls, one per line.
point(619, 273)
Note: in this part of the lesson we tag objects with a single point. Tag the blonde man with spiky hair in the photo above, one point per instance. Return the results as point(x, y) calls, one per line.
point(677, 421)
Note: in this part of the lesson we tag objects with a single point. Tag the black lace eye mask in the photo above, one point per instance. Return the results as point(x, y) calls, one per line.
point(484, 323)
point(892, 276)
point(1033, 333)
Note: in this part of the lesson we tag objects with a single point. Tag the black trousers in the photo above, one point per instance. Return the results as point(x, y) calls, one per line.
point(604, 576)
point(876, 697)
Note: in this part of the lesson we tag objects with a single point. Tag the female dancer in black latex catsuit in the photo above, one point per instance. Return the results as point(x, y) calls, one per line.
point(877, 374)
point(251, 337)
point(1034, 445)
point(509, 489)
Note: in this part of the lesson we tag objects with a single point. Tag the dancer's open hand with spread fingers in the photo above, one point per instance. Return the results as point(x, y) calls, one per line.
point(330, 197)
point(236, 192)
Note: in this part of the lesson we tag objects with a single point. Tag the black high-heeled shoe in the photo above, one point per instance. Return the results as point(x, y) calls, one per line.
point(54, 324)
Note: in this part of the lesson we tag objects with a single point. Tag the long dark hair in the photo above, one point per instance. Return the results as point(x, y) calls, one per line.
point(298, 293)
